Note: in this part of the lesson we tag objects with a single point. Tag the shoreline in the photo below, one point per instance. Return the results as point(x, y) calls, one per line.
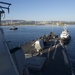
point(39, 25)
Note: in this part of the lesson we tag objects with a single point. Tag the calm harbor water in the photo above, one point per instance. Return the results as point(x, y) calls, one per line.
point(27, 33)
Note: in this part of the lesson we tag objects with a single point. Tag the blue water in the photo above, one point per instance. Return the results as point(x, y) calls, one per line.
point(27, 33)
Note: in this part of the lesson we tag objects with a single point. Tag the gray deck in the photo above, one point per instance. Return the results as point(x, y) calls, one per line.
point(35, 63)
point(56, 66)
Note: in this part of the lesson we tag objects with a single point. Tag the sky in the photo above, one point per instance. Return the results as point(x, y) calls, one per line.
point(41, 10)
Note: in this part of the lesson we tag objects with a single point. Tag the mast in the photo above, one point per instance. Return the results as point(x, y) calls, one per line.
point(51, 25)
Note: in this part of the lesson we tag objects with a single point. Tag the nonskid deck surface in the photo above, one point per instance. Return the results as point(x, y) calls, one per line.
point(57, 65)
point(54, 67)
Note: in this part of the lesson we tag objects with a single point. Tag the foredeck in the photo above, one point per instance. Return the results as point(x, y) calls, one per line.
point(56, 63)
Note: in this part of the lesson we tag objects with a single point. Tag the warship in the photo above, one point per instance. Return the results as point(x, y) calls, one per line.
point(46, 55)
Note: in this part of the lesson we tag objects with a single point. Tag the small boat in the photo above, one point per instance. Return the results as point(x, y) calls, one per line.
point(65, 36)
point(13, 28)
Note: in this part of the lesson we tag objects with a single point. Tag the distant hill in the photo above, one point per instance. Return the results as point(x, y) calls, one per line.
point(17, 22)
point(4, 21)
point(24, 22)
